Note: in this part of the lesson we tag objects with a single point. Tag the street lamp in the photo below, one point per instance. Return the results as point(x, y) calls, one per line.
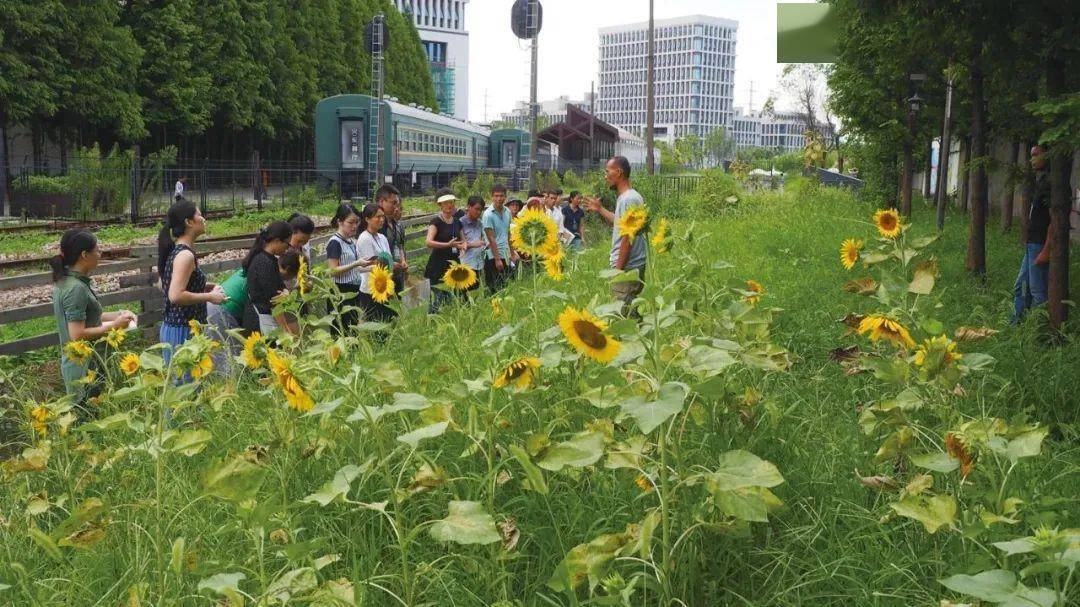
point(913, 104)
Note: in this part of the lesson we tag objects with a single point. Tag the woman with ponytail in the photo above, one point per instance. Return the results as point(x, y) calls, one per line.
point(265, 283)
point(77, 310)
point(184, 283)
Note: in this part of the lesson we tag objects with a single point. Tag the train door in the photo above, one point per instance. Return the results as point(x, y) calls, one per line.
point(509, 154)
point(353, 156)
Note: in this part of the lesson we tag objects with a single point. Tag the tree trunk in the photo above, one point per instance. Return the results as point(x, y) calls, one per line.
point(909, 165)
point(1010, 188)
point(962, 181)
point(928, 168)
point(4, 177)
point(1027, 189)
point(1060, 168)
point(976, 253)
point(839, 156)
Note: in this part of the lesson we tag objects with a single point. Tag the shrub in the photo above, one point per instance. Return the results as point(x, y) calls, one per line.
point(43, 184)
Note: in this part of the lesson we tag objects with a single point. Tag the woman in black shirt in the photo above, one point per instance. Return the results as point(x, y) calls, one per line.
point(446, 241)
point(264, 280)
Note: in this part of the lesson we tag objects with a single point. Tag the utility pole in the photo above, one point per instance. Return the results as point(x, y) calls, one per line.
point(485, 105)
point(533, 21)
point(650, 103)
point(751, 97)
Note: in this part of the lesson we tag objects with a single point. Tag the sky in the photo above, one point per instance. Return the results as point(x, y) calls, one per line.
point(569, 40)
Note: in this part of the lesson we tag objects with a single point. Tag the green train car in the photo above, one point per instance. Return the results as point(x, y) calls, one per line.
point(420, 149)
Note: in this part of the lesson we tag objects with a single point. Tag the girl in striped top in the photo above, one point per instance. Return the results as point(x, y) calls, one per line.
point(345, 263)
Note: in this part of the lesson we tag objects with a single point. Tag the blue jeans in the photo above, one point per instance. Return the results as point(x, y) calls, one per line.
point(1033, 276)
point(576, 244)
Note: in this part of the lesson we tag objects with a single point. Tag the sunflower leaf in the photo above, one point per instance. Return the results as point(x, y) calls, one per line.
point(466, 523)
point(431, 431)
point(933, 512)
point(651, 414)
point(738, 469)
point(235, 479)
point(584, 449)
point(335, 489)
point(532, 472)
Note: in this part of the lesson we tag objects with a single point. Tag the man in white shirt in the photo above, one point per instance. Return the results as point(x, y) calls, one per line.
point(178, 192)
point(554, 211)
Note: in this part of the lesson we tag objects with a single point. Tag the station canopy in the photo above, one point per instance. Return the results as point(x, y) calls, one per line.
point(582, 137)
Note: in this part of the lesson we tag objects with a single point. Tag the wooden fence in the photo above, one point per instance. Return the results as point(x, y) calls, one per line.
point(142, 288)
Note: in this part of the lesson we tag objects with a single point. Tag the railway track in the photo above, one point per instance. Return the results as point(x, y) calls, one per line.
point(59, 225)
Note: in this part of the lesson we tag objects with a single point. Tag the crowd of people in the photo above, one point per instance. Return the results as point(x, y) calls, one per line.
point(366, 241)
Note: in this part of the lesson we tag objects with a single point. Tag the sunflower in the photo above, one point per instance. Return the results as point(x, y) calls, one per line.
point(521, 373)
point(196, 328)
point(660, 239)
point(533, 231)
point(114, 338)
point(459, 277)
point(644, 483)
point(89, 378)
point(334, 352)
point(632, 222)
point(302, 277)
point(888, 223)
point(586, 333)
point(202, 368)
point(880, 326)
point(756, 290)
point(552, 249)
point(496, 307)
point(130, 363)
point(290, 385)
point(39, 418)
point(957, 448)
point(849, 252)
point(940, 346)
point(254, 350)
point(78, 351)
point(381, 284)
point(553, 267)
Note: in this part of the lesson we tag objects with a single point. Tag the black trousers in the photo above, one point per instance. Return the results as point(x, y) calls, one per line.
point(495, 278)
point(348, 319)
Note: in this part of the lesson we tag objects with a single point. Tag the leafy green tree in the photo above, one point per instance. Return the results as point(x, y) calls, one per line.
point(719, 146)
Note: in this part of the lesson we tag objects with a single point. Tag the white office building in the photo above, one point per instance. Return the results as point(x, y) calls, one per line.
point(694, 75)
point(441, 25)
point(782, 131)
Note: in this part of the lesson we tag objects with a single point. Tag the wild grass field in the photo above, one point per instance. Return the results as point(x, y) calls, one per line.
point(712, 462)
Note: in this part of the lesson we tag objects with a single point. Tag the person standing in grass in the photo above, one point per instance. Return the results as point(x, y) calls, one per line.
point(184, 284)
point(573, 216)
point(178, 189)
point(373, 247)
point(345, 264)
point(554, 211)
point(472, 230)
point(389, 200)
point(78, 312)
point(227, 316)
point(626, 255)
point(1030, 289)
point(446, 241)
point(265, 283)
point(498, 257)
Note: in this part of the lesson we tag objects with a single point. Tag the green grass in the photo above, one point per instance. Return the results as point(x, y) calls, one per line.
point(827, 547)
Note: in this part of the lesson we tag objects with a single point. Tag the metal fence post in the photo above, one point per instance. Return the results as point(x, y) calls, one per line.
point(256, 179)
point(135, 160)
point(203, 187)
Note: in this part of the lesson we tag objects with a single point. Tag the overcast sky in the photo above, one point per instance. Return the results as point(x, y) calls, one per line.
point(499, 62)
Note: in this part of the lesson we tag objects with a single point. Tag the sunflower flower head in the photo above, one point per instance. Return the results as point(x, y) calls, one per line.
point(254, 351)
point(459, 277)
point(302, 277)
point(633, 221)
point(533, 231)
point(959, 449)
point(849, 252)
point(880, 326)
point(644, 483)
point(661, 239)
point(295, 395)
point(553, 267)
point(334, 352)
point(754, 292)
point(114, 338)
point(521, 373)
point(202, 368)
point(586, 334)
point(381, 284)
point(39, 418)
point(130, 364)
point(496, 307)
point(78, 351)
point(196, 328)
point(888, 223)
